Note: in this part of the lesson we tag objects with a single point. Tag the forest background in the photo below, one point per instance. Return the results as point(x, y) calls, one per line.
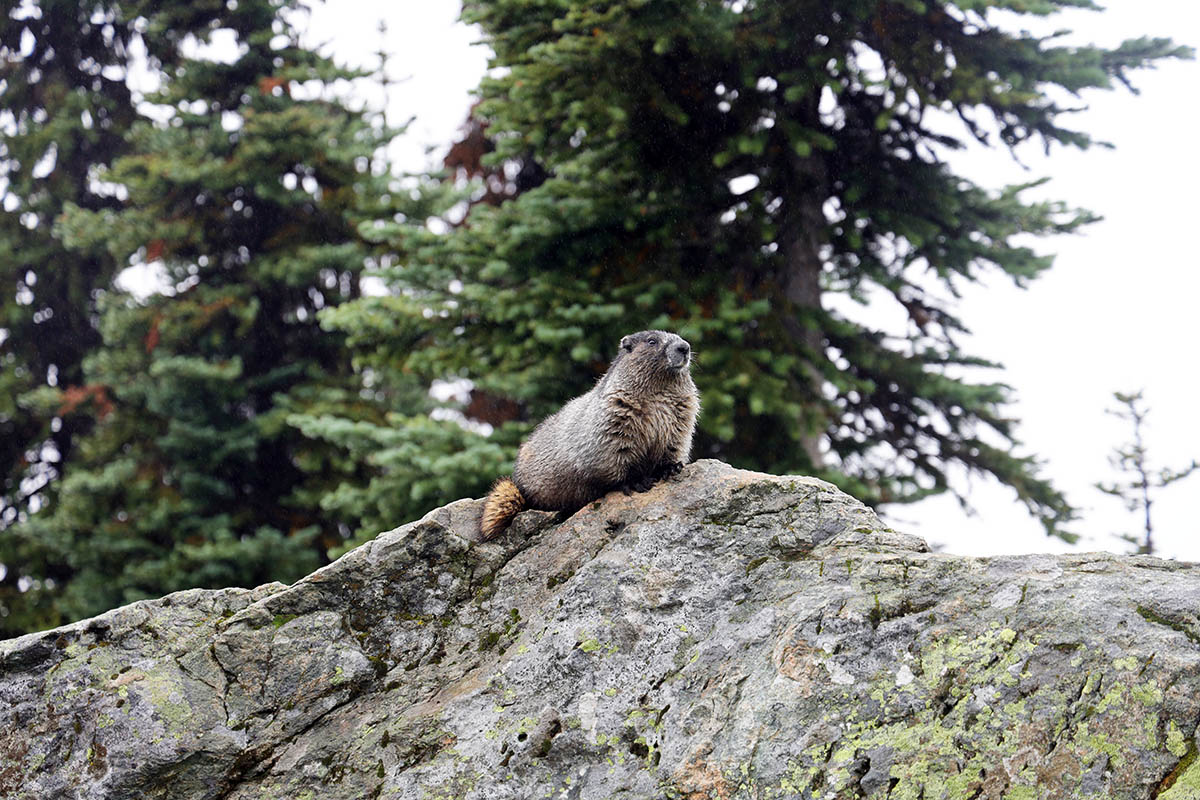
point(238, 339)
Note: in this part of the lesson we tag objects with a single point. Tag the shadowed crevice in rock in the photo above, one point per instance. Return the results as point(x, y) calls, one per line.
point(725, 634)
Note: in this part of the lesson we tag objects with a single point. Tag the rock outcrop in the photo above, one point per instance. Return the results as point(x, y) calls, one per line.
point(725, 635)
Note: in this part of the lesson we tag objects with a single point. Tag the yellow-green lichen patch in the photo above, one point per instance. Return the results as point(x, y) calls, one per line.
point(84, 668)
point(169, 703)
point(1096, 744)
point(1150, 726)
point(1127, 663)
point(1115, 696)
point(453, 788)
point(1176, 744)
point(797, 779)
point(1147, 693)
point(1022, 793)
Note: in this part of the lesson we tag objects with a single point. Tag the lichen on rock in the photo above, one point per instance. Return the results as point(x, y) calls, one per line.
point(727, 634)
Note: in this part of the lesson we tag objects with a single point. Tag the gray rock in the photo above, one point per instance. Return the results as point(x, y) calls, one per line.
point(727, 634)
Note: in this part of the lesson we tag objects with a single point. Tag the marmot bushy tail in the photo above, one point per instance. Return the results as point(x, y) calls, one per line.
point(632, 429)
point(503, 503)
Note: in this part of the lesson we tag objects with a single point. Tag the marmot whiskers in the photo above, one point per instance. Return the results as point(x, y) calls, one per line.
point(631, 430)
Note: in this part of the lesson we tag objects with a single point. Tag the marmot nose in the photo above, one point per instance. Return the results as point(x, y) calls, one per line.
point(679, 353)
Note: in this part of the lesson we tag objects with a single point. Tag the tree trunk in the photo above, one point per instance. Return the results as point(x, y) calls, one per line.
point(802, 234)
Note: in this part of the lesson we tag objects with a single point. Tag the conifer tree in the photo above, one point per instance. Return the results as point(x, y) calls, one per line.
point(1140, 483)
point(413, 450)
point(64, 110)
point(241, 183)
point(66, 107)
point(744, 173)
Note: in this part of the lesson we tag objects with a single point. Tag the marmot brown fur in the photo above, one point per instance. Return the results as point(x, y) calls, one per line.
point(631, 430)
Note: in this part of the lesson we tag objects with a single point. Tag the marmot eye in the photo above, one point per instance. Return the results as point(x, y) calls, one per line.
point(652, 342)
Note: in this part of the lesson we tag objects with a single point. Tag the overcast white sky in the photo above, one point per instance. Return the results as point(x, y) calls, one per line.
point(1117, 312)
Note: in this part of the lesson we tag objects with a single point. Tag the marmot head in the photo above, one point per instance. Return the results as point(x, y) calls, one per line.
point(653, 357)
